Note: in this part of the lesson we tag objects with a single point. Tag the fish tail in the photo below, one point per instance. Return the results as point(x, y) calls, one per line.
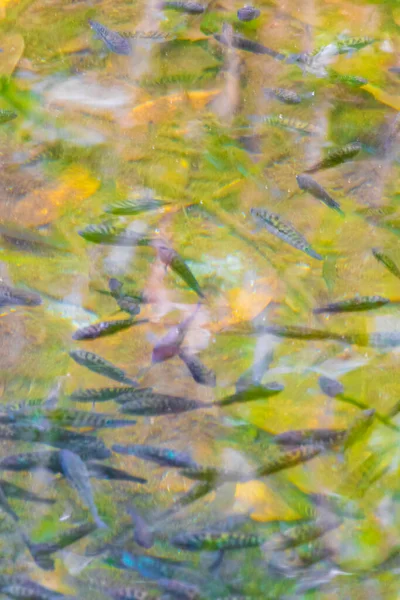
point(313, 253)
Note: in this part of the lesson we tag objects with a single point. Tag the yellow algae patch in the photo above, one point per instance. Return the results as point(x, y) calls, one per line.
point(162, 108)
point(263, 504)
point(382, 96)
point(42, 206)
point(12, 49)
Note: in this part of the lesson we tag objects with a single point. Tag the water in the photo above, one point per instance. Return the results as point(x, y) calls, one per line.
point(182, 119)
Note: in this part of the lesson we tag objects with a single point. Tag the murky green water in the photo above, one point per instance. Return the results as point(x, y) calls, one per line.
point(175, 109)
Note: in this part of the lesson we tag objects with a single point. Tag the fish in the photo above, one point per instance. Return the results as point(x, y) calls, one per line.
point(359, 303)
point(212, 475)
point(255, 392)
point(121, 592)
point(284, 459)
point(284, 95)
point(10, 296)
point(7, 115)
point(29, 461)
point(5, 506)
point(98, 394)
point(162, 456)
point(394, 70)
point(127, 303)
point(385, 259)
point(28, 240)
point(101, 471)
point(301, 534)
point(15, 491)
point(169, 346)
point(75, 471)
point(325, 437)
point(308, 184)
point(142, 535)
point(65, 417)
point(229, 38)
point(135, 207)
point(110, 235)
point(97, 330)
point(352, 80)
point(213, 541)
point(190, 7)
point(248, 13)
point(42, 552)
point(149, 567)
point(149, 403)
point(335, 157)
point(330, 387)
point(200, 373)
point(99, 365)
point(180, 589)
point(359, 426)
point(300, 333)
point(113, 40)
point(21, 588)
point(291, 123)
point(199, 490)
point(283, 230)
point(342, 506)
point(170, 258)
point(347, 44)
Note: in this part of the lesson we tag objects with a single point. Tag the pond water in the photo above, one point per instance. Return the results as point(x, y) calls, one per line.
point(221, 187)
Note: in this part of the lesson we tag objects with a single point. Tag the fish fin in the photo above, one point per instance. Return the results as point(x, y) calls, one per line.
point(217, 562)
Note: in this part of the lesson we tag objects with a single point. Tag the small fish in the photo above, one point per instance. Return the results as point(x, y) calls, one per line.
point(142, 535)
point(76, 472)
point(171, 259)
point(255, 392)
point(212, 475)
point(248, 13)
point(169, 346)
point(110, 235)
point(98, 394)
point(200, 373)
point(180, 589)
point(283, 230)
point(127, 302)
point(340, 505)
point(10, 296)
point(149, 567)
point(285, 96)
point(216, 541)
point(192, 8)
point(229, 38)
point(359, 303)
point(65, 417)
point(387, 261)
point(149, 403)
point(113, 40)
point(301, 534)
point(135, 207)
point(308, 184)
point(15, 491)
point(7, 115)
point(101, 471)
point(359, 426)
point(352, 80)
point(325, 437)
point(336, 157)
point(97, 330)
point(21, 588)
point(29, 461)
point(330, 387)
point(284, 459)
point(99, 365)
point(199, 490)
point(348, 44)
point(300, 333)
point(162, 456)
point(291, 123)
point(155, 36)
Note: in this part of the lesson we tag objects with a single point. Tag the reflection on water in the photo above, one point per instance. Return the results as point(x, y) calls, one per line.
point(199, 294)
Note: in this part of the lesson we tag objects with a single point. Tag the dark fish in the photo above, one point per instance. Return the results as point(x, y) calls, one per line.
point(162, 456)
point(76, 472)
point(99, 365)
point(105, 328)
point(127, 303)
point(7, 115)
point(180, 589)
point(110, 235)
point(325, 437)
point(285, 96)
point(301, 333)
point(5, 506)
point(113, 40)
point(359, 303)
point(29, 461)
point(216, 541)
point(200, 373)
point(301, 534)
point(65, 417)
point(150, 567)
point(169, 346)
point(255, 392)
point(28, 240)
point(284, 459)
point(10, 296)
point(171, 259)
point(101, 471)
point(98, 394)
point(291, 123)
point(283, 230)
point(21, 588)
point(387, 261)
point(330, 387)
point(336, 157)
point(352, 80)
point(15, 491)
point(149, 403)
point(135, 207)
point(308, 184)
point(248, 13)
point(192, 8)
point(142, 534)
point(228, 38)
